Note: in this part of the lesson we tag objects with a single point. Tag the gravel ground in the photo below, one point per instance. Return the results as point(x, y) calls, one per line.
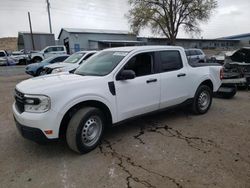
point(169, 149)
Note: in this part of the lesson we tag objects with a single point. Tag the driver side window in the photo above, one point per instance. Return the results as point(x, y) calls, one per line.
point(141, 64)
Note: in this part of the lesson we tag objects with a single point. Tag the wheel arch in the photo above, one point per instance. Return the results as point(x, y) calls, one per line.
point(208, 83)
point(91, 103)
point(37, 57)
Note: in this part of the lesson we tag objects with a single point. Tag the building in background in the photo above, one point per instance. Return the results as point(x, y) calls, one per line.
point(8, 43)
point(195, 43)
point(41, 40)
point(96, 39)
point(92, 39)
point(243, 38)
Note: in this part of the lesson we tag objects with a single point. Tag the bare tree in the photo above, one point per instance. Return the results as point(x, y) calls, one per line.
point(167, 16)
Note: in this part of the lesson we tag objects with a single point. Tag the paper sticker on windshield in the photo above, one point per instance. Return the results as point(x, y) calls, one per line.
point(120, 53)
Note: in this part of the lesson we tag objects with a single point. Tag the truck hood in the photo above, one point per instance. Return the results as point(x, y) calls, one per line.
point(57, 65)
point(51, 83)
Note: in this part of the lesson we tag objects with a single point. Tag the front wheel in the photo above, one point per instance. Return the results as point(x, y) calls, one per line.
point(85, 129)
point(202, 100)
point(43, 72)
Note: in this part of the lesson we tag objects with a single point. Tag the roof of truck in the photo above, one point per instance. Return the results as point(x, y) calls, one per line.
point(140, 48)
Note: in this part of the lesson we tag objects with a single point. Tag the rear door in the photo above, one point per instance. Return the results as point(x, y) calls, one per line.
point(142, 94)
point(173, 76)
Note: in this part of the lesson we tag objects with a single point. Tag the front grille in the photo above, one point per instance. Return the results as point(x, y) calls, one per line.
point(19, 97)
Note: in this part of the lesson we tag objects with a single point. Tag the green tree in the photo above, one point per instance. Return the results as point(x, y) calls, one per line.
point(168, 16)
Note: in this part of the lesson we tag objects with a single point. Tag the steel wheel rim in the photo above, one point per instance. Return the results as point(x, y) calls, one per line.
point(204, 100)
point(91, 131)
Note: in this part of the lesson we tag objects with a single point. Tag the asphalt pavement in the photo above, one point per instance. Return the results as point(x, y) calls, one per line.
point(172, 149)
point(6, 71)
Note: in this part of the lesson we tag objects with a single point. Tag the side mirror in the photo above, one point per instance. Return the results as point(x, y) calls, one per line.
point(126, 75)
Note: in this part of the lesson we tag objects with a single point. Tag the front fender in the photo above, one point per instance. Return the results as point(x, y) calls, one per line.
point(76, 100)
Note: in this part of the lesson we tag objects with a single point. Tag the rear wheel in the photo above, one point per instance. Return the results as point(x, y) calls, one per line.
point(85, 129)
point(202, 100)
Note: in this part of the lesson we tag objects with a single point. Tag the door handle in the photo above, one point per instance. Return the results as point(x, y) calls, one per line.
point(151, 81)
point(181, 75)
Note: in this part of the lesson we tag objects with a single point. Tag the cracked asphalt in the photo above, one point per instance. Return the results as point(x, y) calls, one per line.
point(169, 149)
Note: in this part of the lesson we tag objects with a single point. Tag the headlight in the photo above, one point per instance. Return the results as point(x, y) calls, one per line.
point(57, 70)
point(36, 103)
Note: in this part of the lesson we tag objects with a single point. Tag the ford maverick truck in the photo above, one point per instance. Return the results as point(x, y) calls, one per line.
point(112, 86)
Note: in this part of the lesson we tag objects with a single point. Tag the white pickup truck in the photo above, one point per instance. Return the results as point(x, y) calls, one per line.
point(49, 51)
point(114, 85)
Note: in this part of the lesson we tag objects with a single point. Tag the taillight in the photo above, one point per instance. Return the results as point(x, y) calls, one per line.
point(221, 73)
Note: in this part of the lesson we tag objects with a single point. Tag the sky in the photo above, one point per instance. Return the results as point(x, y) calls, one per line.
point(230, 18)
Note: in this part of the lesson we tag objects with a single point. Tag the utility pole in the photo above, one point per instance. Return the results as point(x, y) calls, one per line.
point(48, 7)
point(31, 33)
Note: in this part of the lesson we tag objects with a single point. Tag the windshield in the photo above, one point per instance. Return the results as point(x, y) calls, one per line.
point(101, 64)
point(74, 58)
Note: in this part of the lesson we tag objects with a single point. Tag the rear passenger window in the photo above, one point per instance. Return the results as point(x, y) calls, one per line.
point(170, 61)
point(141, 64)
point(57, 49)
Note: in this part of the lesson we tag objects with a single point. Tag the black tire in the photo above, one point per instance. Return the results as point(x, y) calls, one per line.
point(36, 59)
point(38, 72)
point(197, 106)
point(79, 126)
point(227, 95)
point(22, 62)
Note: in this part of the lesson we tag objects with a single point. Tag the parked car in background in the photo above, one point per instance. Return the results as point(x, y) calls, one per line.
point(49, 51)
point(20, 57)
point(114, 85)
point(195, 55)
point(70, 64)
point(3, 57)
point(236, 71)
point(36, 69)
point(6, 59)
point(220, 57)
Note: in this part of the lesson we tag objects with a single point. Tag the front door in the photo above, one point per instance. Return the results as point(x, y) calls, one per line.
point(141, 94)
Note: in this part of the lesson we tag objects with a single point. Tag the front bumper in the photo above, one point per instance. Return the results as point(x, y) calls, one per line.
point(38, 121)
point(33, 134)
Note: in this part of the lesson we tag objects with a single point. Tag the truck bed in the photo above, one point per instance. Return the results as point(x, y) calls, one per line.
point(203, 64)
